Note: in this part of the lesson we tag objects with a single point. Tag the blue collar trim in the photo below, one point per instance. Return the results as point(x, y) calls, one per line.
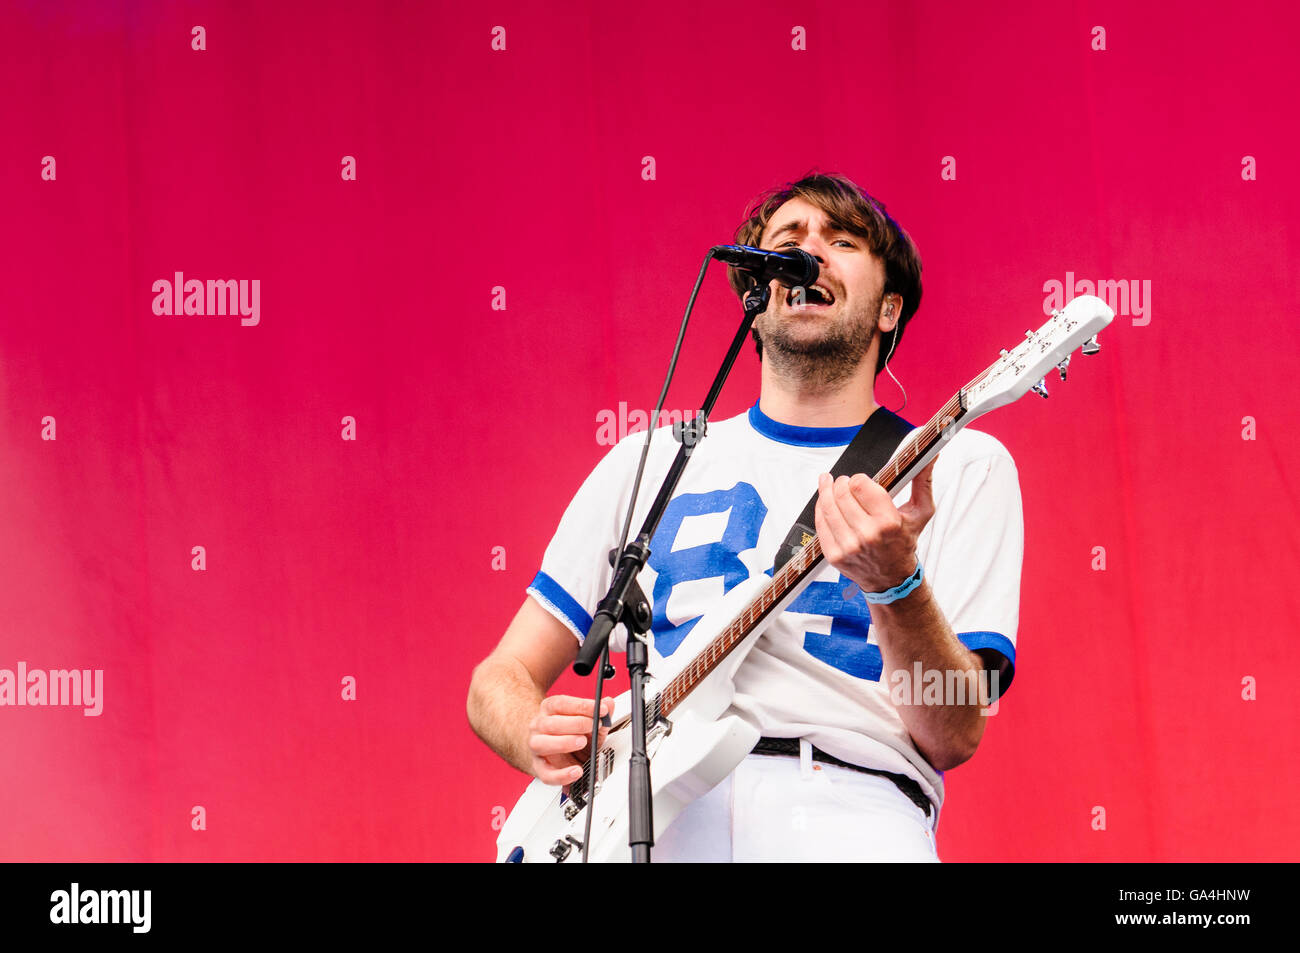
point(800, 436)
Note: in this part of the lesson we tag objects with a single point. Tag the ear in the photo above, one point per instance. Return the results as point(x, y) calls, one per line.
point(891, 310)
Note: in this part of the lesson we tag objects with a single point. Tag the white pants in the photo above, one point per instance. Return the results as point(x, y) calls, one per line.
point(776, 808)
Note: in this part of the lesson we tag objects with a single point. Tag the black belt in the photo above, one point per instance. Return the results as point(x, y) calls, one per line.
point(790, 746)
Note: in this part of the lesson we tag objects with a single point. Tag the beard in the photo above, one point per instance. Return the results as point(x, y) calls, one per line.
point(819, 360)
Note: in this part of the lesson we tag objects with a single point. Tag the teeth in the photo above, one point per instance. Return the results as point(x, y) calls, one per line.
point(825, 293)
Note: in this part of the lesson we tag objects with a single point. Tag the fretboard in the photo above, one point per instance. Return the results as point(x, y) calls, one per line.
point(891, 476)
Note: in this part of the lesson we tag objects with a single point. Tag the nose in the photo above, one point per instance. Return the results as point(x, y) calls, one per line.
point(814, 246)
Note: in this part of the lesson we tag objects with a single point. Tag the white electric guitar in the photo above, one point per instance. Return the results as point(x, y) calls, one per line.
point(691, 740)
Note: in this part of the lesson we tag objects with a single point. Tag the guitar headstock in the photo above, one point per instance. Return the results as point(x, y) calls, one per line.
point(1026, 366)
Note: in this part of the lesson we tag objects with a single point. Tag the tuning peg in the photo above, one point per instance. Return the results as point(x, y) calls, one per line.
point(1091, 346)
point(1041, 387)
point(1002, 353)
point(1064, 366)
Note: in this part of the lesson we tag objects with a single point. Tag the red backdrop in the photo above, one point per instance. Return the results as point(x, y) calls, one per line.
point(1016, 144)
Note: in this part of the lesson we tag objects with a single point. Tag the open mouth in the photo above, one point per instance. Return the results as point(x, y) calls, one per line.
point(816, 296)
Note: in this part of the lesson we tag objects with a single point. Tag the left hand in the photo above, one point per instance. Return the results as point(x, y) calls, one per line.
point(864, 535)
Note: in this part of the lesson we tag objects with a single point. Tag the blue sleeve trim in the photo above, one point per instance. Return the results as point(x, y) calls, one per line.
point(998, 643)
point(552, 595)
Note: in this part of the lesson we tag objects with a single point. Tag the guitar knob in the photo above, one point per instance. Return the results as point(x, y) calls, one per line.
point(1041, 388)
point(1091, 346)
point(1064, 366)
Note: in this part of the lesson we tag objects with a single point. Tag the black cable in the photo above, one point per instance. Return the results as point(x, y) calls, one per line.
point(593, 762)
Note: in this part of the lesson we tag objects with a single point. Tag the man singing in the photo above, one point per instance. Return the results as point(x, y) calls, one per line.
point(851, 763)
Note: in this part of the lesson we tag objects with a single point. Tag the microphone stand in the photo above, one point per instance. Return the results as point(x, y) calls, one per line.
point(625, 602)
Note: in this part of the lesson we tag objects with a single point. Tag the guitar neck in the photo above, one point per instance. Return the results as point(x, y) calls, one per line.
point(918, 448)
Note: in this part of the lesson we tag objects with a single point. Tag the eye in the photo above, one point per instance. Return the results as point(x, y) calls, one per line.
point(845, 241)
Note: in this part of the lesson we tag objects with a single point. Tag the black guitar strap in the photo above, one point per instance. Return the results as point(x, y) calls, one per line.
point(867, 452)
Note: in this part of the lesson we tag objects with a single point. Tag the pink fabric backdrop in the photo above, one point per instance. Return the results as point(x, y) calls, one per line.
point(522, 168)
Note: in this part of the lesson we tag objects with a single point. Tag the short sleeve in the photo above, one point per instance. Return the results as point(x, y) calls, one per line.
point(575, 571)
point(974, 558)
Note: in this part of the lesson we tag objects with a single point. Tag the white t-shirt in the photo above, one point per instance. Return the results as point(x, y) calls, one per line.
point(816, 671)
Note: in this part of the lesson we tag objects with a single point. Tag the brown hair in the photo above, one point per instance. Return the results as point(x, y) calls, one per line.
point(848, 207)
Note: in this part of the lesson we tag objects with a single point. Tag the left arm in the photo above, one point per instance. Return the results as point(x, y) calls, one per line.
point(873, 543)
point(912, 630)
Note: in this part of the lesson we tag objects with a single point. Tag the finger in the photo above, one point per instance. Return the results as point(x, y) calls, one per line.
point(923, 491)
point(548, 772)
point(862, 526)
point(833, 524)
point(870, 495)
point(874, 511)
point(545, 745)
point(569, 705)
point(561, 762)
point(564, 725)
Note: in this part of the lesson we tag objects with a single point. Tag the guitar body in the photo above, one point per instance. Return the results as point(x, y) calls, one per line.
point(690, 752)
point(684, 765)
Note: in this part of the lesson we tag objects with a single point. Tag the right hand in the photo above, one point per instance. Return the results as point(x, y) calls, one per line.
point(560, 734)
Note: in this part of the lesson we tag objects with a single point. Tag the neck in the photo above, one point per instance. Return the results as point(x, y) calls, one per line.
point(803, 403)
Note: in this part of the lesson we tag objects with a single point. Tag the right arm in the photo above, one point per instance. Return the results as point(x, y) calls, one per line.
point(508, 707)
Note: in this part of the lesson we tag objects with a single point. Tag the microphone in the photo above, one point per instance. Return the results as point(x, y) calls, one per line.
point(793, 268)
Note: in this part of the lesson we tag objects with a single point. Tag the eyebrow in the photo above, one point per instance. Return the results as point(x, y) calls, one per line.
point(792, 226)
point(799, 225)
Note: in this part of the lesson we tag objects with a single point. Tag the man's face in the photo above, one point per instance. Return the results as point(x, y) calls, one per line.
point(821, 340)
